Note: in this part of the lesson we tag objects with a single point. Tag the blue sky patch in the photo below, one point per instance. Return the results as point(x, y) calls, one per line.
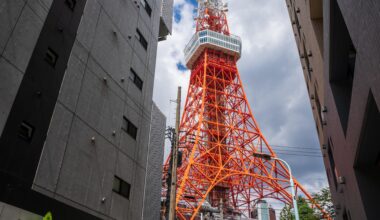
point(181, 67)
point(193, 2)
point(177, 13)
point(178, 10)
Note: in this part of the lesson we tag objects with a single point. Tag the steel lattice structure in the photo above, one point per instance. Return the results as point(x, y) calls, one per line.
point(219, 134)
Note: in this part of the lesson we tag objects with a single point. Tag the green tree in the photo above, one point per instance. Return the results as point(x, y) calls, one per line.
point(286, 213)
point(306, 213)
point(323, 198)
point(304, 210)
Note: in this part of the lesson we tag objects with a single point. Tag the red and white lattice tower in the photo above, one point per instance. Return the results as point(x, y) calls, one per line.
point(218, 133)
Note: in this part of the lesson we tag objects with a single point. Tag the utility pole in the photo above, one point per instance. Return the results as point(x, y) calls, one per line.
point(173, 188)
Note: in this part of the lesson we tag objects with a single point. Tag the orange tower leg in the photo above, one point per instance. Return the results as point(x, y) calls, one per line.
point(218, 133)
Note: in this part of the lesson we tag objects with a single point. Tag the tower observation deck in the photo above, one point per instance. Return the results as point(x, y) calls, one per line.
point(218, 135)
point(228, 44)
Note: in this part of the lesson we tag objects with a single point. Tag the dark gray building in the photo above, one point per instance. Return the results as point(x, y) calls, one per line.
point(339, 44)
point(79, 131)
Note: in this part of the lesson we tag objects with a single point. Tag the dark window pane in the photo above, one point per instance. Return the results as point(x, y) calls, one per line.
point(138, 82)
point(125, 189)
point(130, 128)
point(136, 79)
point(141, 39)
point(147, 7)
point(121, 187)
point(342, 64)
point(116, 184)
point(332, 165)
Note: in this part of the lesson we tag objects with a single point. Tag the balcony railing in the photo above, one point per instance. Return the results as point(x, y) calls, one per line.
point(228, 44)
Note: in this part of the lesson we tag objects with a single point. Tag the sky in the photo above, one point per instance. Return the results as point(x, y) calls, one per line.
point(272, 78)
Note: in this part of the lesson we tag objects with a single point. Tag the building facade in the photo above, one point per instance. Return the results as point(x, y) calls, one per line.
point(339, 44)
point(261, 211)
point(76, 110)
point(153, 183)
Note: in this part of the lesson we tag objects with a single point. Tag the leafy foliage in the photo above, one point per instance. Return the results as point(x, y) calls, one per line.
point(323, 198)
point(304, 210)
point(286, 213)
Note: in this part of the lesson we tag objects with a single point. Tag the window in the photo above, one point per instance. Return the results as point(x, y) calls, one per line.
point(318, 104)
point(147, 7)
point(51, 57)
point(71, 4)
point(316, 17)
point(141, 39)
point(121, 187)
point(342, 64)
point(332, 164)
point(26, 131)
point(367, 161)
point(136, 79)
point(129, 127)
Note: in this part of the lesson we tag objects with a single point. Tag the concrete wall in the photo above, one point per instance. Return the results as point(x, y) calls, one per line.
point(351, 142)
point(153, 178)
point(97, 91)
point(21, 22)
point(351, 96)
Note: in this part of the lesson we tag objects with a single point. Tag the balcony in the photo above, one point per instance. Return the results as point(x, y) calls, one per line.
point(210, 39)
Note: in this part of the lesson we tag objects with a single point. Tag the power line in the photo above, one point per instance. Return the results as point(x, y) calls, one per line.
point(301, 155)
point(298, 151)
point(298, 147)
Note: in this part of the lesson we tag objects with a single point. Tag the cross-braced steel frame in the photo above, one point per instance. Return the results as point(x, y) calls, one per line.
point(219, 136)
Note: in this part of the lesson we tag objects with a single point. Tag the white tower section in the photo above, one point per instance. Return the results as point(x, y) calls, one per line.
point(210, 39)
point(228, 44)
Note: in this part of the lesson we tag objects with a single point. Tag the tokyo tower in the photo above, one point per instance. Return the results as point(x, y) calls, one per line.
point(219, 137)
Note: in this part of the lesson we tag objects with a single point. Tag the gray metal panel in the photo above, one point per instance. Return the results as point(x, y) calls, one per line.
point(152, 198)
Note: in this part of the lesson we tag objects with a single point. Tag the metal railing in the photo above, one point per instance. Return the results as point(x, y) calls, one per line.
point(229, 44)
